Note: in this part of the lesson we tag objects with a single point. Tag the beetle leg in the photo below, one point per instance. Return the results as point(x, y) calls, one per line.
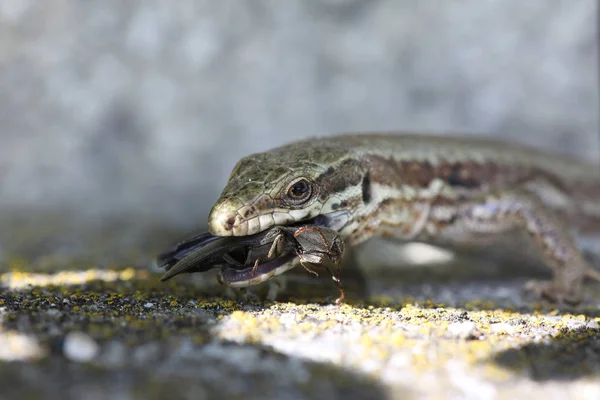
point(253, 271)
point(275, 250)
point(308, 266)
point(338, 282)
point(277, 246)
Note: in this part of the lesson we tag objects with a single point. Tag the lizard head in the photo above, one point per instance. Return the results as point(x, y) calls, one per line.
point(287, 185)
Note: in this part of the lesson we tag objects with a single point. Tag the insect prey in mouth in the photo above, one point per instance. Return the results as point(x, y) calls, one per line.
point(249, 260)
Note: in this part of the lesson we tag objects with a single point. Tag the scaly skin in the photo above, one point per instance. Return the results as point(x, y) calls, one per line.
point(437, 189)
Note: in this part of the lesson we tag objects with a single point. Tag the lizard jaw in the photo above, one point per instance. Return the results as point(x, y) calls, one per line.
point(230, 216)
point(225, 220)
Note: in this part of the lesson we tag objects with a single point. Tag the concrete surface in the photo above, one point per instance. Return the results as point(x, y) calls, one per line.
point(120, 333)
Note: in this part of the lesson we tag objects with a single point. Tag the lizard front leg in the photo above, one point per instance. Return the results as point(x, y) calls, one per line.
point(509, 211)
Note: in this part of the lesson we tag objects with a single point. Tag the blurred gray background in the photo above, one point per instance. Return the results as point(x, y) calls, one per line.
point(111, 109)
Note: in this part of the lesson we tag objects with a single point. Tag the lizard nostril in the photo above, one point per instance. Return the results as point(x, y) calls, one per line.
point(224, 218)
point(229, 223)
point(222, 224)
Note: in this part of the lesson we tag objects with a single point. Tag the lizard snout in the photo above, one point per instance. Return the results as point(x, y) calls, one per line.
point(224, 218)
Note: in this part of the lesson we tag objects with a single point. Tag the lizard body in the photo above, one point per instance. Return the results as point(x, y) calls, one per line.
point(436, 189)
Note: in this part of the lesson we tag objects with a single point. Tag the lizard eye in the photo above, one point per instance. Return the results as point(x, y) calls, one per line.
point(300, 190)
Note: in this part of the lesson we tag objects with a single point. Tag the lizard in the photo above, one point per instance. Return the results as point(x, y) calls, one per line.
point(438, 189)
